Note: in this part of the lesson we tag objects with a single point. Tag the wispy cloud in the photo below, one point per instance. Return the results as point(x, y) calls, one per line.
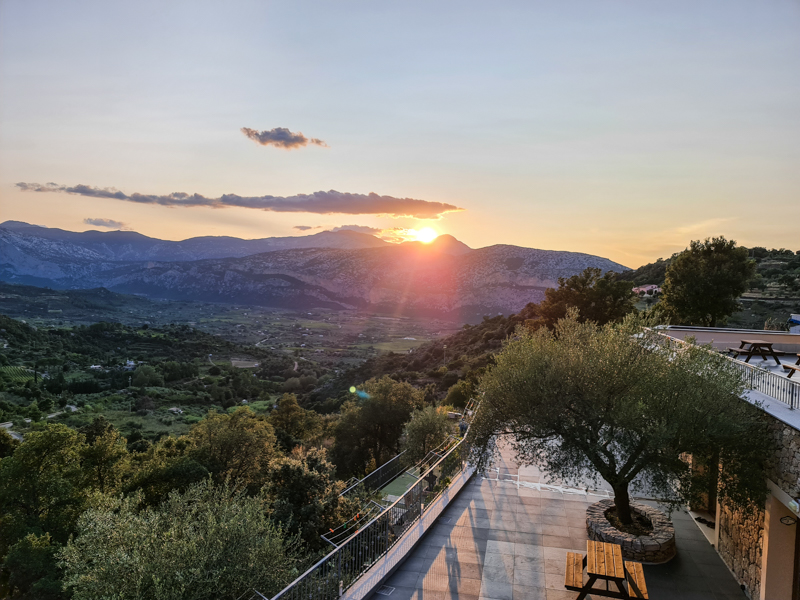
point(359, 229)
point(397, 235)
point(306, 227)
point(108, 223)
point(330, 202)
point(281, 137)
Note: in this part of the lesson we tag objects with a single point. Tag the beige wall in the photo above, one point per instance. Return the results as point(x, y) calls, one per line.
point(778, 559)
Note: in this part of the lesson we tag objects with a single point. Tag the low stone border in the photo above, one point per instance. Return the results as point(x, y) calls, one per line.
point(658, 547)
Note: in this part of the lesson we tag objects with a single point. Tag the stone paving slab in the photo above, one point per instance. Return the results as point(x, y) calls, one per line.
point(500, 540)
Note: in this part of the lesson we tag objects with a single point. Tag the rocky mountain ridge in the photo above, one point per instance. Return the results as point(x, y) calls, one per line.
point(444, 278)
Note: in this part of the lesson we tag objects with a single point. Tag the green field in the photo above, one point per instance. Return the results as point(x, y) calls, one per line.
point(16, 374)
point(399, 345)
point(399, 486)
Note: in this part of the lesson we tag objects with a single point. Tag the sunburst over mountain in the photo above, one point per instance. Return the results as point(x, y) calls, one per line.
point(343, 269)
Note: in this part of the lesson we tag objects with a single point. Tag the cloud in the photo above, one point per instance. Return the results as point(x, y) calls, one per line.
point(281, 138)
point(306, 227)
point(110, 223)
point(322, 203)
point(397, 235)
point(359, 229)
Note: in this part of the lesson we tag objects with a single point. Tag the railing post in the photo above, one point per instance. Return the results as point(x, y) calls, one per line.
point(339, 571)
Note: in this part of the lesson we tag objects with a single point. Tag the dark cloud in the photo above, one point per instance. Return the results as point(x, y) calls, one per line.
point(110, 223)
point(281, 137)
point(323, 203)
point(359, 229)
point(306, 227)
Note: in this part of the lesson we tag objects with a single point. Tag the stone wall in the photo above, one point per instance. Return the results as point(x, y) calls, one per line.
point(785, 469)
point(741, 544)
point(741, 533)
point(658, 547)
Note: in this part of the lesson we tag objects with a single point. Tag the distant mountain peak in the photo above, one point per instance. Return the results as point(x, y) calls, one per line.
point(18, 225)
point(443, 244)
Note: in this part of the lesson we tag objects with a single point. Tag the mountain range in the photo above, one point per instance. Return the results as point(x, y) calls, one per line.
point(341, 269)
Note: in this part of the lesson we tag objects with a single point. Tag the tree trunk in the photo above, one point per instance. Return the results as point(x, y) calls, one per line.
point(622, 502)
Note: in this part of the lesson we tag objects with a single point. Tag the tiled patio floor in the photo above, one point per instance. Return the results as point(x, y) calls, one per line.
point(501, 541)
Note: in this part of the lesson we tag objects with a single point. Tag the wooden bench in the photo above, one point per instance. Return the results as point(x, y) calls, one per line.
point(604, 565)
point(791, 370)
point(573, 578)
point(737, 350)
point(747, 351)
point(637, 588)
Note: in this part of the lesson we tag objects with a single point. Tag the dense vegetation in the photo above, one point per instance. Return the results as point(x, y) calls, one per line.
point(123, 426)
point(777, 271)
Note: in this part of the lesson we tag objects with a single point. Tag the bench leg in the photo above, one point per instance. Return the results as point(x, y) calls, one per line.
point(587, 588)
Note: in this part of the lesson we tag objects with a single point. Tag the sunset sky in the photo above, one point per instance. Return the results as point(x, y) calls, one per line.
point(622, 129)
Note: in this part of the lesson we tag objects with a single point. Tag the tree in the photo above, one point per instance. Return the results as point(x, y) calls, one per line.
point(612, 401)
point(704, 282)
point(7, 443)
point(303, 495)
point(426, 430)
point(293, 424)
point(598, 298)
point(166, 467)
point(460, 393)
point(239, 445)
point(104, 460)
point(147, 376)
point(32, 568)
point(40, 485)
point(370, 427)
point(209, 542)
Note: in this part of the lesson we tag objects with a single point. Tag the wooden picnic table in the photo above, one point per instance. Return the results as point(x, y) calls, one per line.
point(792, 369)
point(760, 347)
point(604, 564)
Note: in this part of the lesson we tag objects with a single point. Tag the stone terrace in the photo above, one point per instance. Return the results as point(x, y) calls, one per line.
point(502, 541)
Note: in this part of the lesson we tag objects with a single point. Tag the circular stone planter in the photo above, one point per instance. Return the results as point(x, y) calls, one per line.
point(658, 547)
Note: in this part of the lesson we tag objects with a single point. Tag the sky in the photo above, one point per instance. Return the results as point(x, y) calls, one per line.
point(616, 128)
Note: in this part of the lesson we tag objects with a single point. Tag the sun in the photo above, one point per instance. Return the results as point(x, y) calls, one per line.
point(426, 235)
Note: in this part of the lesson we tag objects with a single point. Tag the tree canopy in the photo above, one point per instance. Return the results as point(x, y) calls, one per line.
point(704, 282)
point(601, 298)
point(371, 426)
point(426, 430)
point(293, 424)
point(303, 496)
point(612, 401)
point(208, 542)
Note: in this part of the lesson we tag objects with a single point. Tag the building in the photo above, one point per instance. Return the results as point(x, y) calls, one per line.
point(762, 546)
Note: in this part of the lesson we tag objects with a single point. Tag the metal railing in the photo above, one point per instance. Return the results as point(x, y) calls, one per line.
point(379, 477)
point(773, 385)
point(336, 572)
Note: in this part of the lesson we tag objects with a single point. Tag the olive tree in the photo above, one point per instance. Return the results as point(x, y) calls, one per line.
point(614, 401)
point(208, 542)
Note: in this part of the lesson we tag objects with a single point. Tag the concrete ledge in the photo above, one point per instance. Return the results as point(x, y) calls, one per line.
point(383, 568)
point(659, 547)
